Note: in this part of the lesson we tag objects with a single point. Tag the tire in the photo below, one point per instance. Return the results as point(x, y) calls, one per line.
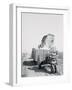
point(53, 69)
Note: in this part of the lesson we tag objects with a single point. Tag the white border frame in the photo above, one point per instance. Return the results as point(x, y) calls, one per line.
point(15, 46)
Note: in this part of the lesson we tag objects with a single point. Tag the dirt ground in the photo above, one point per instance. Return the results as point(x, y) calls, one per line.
point(29, 69)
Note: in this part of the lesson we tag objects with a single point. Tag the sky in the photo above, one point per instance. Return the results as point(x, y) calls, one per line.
point(35, 26)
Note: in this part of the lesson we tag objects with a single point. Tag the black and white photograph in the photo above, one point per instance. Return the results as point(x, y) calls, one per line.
point(41, 44)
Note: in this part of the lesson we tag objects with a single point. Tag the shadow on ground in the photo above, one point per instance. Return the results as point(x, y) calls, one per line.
point(32, 66)
point(29, 63)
